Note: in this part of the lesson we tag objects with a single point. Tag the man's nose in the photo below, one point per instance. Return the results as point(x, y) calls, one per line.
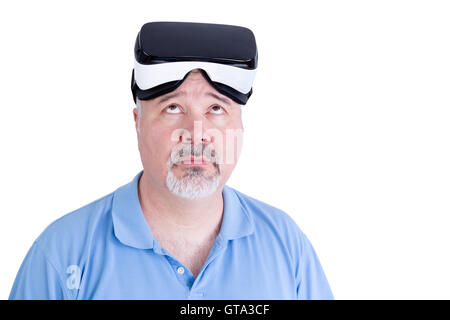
point(196, 133)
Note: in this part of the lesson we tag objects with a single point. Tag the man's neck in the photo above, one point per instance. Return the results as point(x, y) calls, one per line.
point(179, 219)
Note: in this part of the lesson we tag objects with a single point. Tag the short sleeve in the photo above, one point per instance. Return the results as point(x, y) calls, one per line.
point(312, 283)
point(37, 278)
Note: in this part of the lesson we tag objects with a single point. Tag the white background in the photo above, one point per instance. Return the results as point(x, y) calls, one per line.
point(347, 130)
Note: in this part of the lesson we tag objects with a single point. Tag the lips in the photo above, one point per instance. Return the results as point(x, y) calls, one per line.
point(195, 161)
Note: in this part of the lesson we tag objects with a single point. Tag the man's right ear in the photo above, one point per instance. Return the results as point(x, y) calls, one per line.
point(135, 115)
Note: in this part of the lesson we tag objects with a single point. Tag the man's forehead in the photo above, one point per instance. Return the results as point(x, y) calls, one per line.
point(183, 93)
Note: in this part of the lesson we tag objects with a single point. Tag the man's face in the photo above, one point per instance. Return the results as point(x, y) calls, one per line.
point(190, 138)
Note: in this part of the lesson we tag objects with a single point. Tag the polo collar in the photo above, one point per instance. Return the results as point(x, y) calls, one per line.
point(131, 228)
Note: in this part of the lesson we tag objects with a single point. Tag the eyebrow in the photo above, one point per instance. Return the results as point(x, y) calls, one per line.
point(218, 97)
point(183, 93)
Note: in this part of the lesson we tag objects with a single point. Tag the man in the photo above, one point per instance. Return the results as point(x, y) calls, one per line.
point(177, 231)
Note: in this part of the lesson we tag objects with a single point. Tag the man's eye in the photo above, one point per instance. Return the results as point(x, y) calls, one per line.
point(173, 109)
point(216, 110)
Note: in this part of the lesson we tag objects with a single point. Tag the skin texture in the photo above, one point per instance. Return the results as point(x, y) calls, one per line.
point(185, 227)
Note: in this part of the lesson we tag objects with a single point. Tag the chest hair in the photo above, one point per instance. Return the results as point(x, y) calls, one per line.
point(192, 255)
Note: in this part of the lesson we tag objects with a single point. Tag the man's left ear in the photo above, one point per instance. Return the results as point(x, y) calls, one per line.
point(135, 115)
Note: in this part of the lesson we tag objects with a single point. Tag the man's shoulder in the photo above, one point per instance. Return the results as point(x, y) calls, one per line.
point(75, 228)
point(265, 214)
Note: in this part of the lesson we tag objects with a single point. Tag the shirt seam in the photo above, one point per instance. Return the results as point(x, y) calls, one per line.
point(47, 259)
point(301, 264)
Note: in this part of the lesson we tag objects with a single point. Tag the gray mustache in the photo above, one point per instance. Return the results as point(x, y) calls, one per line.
point(198, 150)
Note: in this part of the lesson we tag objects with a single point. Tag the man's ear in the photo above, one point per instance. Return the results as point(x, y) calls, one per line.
point(135, 114)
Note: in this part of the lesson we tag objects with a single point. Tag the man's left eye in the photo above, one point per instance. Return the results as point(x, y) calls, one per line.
point(216, 110)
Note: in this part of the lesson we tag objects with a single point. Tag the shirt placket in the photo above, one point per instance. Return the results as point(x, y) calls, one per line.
point(185, 276)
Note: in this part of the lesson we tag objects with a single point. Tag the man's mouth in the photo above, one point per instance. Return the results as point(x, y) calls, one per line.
point(195, 161)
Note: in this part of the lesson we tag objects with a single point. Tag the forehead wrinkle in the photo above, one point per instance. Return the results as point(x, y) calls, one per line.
point(171, 95)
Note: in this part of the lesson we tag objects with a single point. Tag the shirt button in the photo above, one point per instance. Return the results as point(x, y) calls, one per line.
point(180, 270)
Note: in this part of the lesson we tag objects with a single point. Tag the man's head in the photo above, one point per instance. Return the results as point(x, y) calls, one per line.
point(189, 139)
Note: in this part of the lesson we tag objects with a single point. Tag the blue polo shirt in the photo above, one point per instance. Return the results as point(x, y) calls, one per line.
point(105, 250)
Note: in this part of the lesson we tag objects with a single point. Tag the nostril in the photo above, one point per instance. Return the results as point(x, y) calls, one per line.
point(185, 139)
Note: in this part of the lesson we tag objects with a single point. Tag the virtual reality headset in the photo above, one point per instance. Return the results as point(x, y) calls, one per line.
point(165, 53)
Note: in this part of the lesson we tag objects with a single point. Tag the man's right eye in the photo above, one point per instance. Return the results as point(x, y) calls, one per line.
point(173, 109)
